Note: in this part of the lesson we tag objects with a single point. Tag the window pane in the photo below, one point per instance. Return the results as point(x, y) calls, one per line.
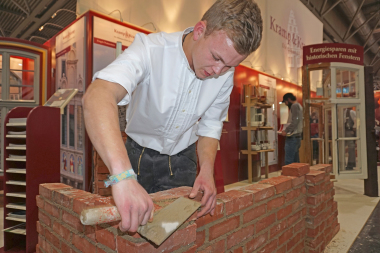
point(71, 126)
point(346, 83)
point(328, 137)
point(21, 78)
point(348, 116)
point(64, 127)
point(80, 127)
point(348, 156)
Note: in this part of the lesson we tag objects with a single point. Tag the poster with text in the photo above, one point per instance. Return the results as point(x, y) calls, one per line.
point(70, 67)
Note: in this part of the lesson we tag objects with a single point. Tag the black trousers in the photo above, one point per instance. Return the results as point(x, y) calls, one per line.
point(158, 172)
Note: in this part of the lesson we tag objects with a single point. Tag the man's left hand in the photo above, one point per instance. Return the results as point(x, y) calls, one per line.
point(205, 182)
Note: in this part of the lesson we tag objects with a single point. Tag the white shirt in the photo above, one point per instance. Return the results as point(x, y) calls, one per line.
point(167, 98)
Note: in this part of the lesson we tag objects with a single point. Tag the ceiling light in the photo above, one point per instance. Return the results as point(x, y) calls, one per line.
point(42, 27)
point(55, 13)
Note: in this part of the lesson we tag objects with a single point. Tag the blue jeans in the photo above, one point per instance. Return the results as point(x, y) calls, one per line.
point(292, 146)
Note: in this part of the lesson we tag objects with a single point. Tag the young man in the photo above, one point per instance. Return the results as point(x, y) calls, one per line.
point(177, 88)
point(293, 131)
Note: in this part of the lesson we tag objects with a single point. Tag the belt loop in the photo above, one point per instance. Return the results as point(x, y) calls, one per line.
point(142, 152)
point(170, 167)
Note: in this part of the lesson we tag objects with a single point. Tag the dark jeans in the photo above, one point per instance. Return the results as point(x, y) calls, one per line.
point(292, 146)
point(351, 163)
point(158, 172)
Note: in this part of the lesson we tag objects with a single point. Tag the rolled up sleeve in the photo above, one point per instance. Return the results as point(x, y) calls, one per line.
point(211, 123)
point(129, 69)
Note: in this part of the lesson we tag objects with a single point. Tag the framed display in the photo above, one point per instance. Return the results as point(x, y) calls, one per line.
point(61, 98)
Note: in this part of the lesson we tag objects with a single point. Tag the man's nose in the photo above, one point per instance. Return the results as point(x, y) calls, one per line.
point(218, 69)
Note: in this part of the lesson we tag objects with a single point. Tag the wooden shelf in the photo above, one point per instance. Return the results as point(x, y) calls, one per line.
point(16, 136)
point(16, 194)
point(16, 183)
point(245, 152)
point(15, 148)
point(17, 171)
point(254, 128)
point(19, 206)
point(16, 124)
point(16, 159)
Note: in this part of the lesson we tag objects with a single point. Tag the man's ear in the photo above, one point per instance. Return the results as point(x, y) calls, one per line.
point(199, 30)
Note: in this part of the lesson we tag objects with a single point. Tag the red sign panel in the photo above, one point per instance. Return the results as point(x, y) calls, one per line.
point(333, 52)
point(64, 51)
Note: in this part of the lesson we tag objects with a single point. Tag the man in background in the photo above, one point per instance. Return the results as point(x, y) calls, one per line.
point(293, 131)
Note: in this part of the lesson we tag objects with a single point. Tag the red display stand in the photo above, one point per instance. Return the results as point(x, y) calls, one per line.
point(30, 159)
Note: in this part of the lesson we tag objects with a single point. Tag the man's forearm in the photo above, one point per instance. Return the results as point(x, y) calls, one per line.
point(207, 148)
point(102, 125)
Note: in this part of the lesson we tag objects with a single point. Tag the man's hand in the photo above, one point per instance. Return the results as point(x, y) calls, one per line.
point(133, 203)
point(283, 133)
point(205, 182)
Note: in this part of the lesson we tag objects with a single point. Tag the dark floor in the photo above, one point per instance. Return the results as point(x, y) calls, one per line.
point(368, 241)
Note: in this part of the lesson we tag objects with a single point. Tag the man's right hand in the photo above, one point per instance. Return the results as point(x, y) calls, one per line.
point(133, 203)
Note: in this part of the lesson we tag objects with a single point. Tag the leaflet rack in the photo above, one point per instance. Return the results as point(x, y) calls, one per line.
point(31, 157)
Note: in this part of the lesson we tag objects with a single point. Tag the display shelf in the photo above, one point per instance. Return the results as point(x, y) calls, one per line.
point(17, 171)
point(254, 128)
point(16, 182)
point(19, 206)
point(15, 219)
point(264, 106)
point(31, 157)
point(16, 136)
point(254, 152)
point(16, 194)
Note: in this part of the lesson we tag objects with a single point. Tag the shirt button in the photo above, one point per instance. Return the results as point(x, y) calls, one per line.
point(176, 126)
point(183, 110)
point(189, 92)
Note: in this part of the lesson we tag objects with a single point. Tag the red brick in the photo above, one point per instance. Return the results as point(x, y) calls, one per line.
point(281, 183)
point(105, 237)
point(283, 250)
point(87, 201)
point(40, 229)
point(219, 246)
point(285, 236)
point(66, 248)
point(284, 212)
point(314, 176)
point(269, 248)
point(312, 232)
point(46, 190)
point(82, 244)
point(72, 221)
point(177, 240)
point(190, 250)
point(171, 194)
point(294, 241)
point(89, 232)
point(51, 209)
point(62, 231)
point(256, 242)
point(294, 218)
point(40, 202)
point(105, 201)
point(260, 191)
point(299, 248)
point(208, 218)
point(278, 228)
point(297, 181)
point(66, 196)
point(105, 192)
point(254, 213)
point(42, 242)
point(315, 200)
point(200, 238)
point(240, 235)
point(238, 250)
point(315, 210)
point(38, 250)
point(44, 218)
point(265, 222)
point(293, 194)
point(235, 201)
point(275, 203)
point(223, 227)
point(300, 225)
point(52, 238)
point(99, 250)
point(316, 242)
point(315, 189)
point(296, 169)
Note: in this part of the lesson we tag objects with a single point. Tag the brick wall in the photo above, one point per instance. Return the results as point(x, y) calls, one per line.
point(295, 212)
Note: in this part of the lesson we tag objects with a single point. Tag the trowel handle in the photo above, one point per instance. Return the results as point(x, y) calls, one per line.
point(99, 215)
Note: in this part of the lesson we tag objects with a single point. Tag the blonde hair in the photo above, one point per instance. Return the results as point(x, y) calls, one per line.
point(240, 19)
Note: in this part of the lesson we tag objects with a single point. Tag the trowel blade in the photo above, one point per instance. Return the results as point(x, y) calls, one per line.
point(168, 220)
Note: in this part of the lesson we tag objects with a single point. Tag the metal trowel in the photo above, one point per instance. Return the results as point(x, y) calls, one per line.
point(164, 223)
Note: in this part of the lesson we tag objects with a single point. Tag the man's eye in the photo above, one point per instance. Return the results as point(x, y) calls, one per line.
point(216, 59)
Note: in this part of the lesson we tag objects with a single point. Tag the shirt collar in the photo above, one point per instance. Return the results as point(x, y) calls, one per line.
point(186, 31)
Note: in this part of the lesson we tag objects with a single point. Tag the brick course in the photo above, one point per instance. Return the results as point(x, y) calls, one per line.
point(295, 212)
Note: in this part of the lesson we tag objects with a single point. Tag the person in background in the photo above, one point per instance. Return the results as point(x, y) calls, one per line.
point(350, 131)
point(293, 131)
point(177, 87)
point(314, 133)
